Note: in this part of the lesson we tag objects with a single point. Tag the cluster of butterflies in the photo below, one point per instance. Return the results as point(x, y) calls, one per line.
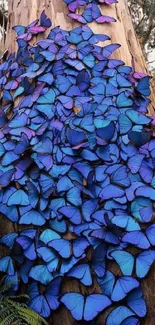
point(77, 158)
point(91, 11)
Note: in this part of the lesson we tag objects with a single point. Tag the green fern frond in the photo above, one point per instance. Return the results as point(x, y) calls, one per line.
point(14, 311)
point(28, 313)
point(4, 312)
point(8, 320)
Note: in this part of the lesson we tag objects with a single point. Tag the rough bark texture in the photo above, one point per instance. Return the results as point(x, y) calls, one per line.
point(25, 11)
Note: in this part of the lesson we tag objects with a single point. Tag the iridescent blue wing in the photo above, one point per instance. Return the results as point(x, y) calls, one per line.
point(74, 303)
point(137, 303)
point(131, 320)
point(98, 260)
point(125, 261)
point(118, 315)
point(40, 305)
point(123, 286)
point(143, 86)
point(71, 213)
point(44, 21)
point(52, 293)
point(79, 246)
point(6, 265)
point(18, 198)
point(62, 246)
point(32, 217)
point(136, 238)
point(94, 304)
point(6, 177)
point(150, 233)
point(81, 272)
point(41, 274)
point(144, 262)
point(106, 283)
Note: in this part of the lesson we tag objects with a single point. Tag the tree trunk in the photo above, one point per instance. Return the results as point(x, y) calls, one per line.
point(22, 12)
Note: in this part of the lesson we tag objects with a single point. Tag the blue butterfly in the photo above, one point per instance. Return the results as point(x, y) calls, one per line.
point(24, 270)
point(118, 315)
point(136, 238)
point(139, 138)
point(122, 286)
point(44, 303)
point(63, 83)
point(126, 222)
point(47, 98)
point(9, 158)
point(41, 274)
point(117, 289)
point(5, 178)
point(143, 86)
point(6, 265)
point(74, 196)
point(72, 213)
point(105, 235)
point(137, 303)
point(9, 239)
point(64, 246)
point(58, 225)
point(131, 320)
point(85, 308)
point(22, 146)
point(27, 240)
point(123, 100)
point(127, 261)
point(32, 217)
point(48, 235)
point(98, 260)
point(81, 272)
point(125, 124)
point(106, 283)
point(48, 256)
point(18, 198)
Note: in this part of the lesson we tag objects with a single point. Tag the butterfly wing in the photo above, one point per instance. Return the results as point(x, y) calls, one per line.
point(32, 217)
point(6, 265)
point(41, 274)
point(144, 262)
point(131, 320)
point(94, 304)
point(137, 303)
point(18, 198)
point(106, 283)
point(6, 177)
point(52, 293)
point(79, 246)
point(74, 303)
point(125, 261)
point(118, 315)
point(98, 260)
point(81, 272)
point(62, 246)
point(122, 286)
point(150, 232)
point(40, 306)
point(72, 213)
point(143, 86)
point(136, 238)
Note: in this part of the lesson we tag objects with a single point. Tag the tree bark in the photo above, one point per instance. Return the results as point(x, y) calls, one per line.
point(22, 12)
